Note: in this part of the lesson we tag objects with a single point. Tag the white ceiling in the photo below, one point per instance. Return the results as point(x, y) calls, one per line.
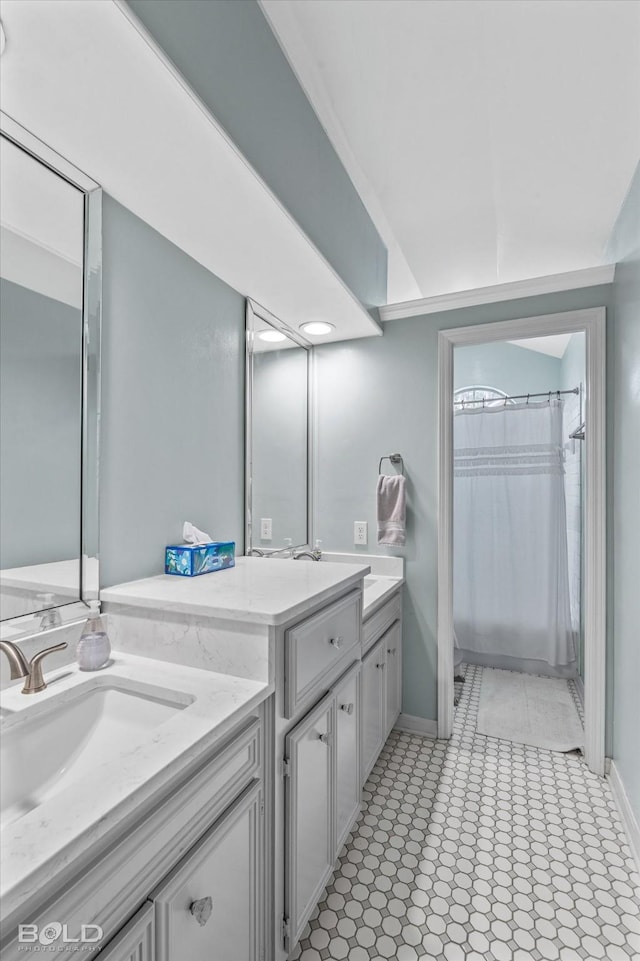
point(84, 79)
point(491, 141)
point(41, 227)
point(555, 345)
point(39, 205)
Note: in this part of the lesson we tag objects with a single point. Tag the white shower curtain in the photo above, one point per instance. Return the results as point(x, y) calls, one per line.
point(511, 576)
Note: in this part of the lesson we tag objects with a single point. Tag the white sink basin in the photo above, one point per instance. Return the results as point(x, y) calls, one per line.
point(50, 745)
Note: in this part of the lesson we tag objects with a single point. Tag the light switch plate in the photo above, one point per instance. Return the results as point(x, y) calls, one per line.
point(360, 533)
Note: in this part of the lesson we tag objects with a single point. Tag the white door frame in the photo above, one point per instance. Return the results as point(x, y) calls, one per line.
point(592, 323)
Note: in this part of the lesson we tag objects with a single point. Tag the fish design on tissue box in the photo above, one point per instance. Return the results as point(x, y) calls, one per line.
point(199, 554)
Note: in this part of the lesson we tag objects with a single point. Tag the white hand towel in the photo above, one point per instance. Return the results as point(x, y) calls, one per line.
point(392, 508)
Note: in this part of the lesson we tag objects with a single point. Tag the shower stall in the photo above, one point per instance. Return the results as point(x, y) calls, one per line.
point(517, 530)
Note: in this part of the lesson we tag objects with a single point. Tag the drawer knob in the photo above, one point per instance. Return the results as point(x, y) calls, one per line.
point(201, 910)
point(347, 708)
point(325, 738)
point(380, 666)
point(391, 650)
point(336, 642)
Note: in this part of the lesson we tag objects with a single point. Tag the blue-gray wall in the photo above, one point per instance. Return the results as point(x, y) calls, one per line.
point(513, 369)
point(380, 395)
point(624, 248)
point(40, 397)
point(228, 54)
point(172, 400)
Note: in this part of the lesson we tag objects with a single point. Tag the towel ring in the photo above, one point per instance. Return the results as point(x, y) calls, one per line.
point(396, 459)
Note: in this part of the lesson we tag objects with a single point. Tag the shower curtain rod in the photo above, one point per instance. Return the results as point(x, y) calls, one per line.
point(494, 400)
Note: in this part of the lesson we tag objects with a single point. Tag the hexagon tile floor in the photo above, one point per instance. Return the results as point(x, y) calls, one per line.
point(479, 849)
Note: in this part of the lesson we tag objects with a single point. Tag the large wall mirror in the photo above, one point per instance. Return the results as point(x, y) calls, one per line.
point(278, 443)
point(50, 289)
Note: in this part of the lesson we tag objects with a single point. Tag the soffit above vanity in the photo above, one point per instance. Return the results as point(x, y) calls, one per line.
point(87, 80)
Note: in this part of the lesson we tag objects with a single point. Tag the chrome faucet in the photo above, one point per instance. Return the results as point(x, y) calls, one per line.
point(30, 670)
point(287, 551)
point(314, 555)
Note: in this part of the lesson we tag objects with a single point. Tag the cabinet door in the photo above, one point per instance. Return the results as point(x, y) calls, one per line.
point(347, 703)
point(373, 707)
point(210, 905)
point(136, 941)
point(393, 658)
point(309, 815)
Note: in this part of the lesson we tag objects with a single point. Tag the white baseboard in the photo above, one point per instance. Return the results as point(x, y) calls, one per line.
point(626, 812)
point(416, 725)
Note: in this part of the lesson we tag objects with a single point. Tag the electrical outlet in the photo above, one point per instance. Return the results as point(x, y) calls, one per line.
point(360, 533)
point(266, 529)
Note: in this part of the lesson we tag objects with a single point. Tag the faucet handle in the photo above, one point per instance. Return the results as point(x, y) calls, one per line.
point(17, 661)
point(35, 682)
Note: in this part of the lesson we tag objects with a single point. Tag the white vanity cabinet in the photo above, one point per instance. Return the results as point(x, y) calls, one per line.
point(210, 905)
point(347, 714)
point(392, 641)
point(309, 773)
point(373, 707)
point(193, 866)
point(381, 698)
point(322, 797)
point(136, 941)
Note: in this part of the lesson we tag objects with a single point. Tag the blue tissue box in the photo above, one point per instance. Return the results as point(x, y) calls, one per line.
point(189, 560)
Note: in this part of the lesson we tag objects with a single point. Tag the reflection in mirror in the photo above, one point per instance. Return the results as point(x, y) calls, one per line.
point(43, 376)
point(277, 481)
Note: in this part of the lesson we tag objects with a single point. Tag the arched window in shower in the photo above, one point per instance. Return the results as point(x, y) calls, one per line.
point(478, 396)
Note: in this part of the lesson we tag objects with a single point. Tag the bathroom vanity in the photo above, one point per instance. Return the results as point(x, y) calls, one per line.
point(251, 706)
point(189, 800)
point(144, 785)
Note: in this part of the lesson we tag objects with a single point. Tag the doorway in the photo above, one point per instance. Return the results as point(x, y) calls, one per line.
point(561, 633)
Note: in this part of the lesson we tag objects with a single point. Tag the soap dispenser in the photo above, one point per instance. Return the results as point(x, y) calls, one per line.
point(93, 650)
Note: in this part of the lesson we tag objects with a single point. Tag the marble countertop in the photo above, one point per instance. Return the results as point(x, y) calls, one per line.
point(57, 577)
point(38, 845)
point(377, 590)
point(257, 590)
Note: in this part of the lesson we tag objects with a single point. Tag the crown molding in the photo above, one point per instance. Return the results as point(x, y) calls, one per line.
point(552, 284)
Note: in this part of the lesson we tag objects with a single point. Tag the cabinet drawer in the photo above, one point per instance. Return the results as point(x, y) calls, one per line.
point(209, 907)
point(318, 649)
point(378, 623)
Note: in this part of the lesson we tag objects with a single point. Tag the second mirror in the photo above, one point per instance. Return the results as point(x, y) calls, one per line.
point(278, 363)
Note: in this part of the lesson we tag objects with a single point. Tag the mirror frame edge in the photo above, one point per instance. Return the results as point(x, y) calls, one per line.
point(89, 579)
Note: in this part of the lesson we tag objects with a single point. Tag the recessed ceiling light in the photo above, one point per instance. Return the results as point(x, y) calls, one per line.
point(317, 328)
point(272, 336)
